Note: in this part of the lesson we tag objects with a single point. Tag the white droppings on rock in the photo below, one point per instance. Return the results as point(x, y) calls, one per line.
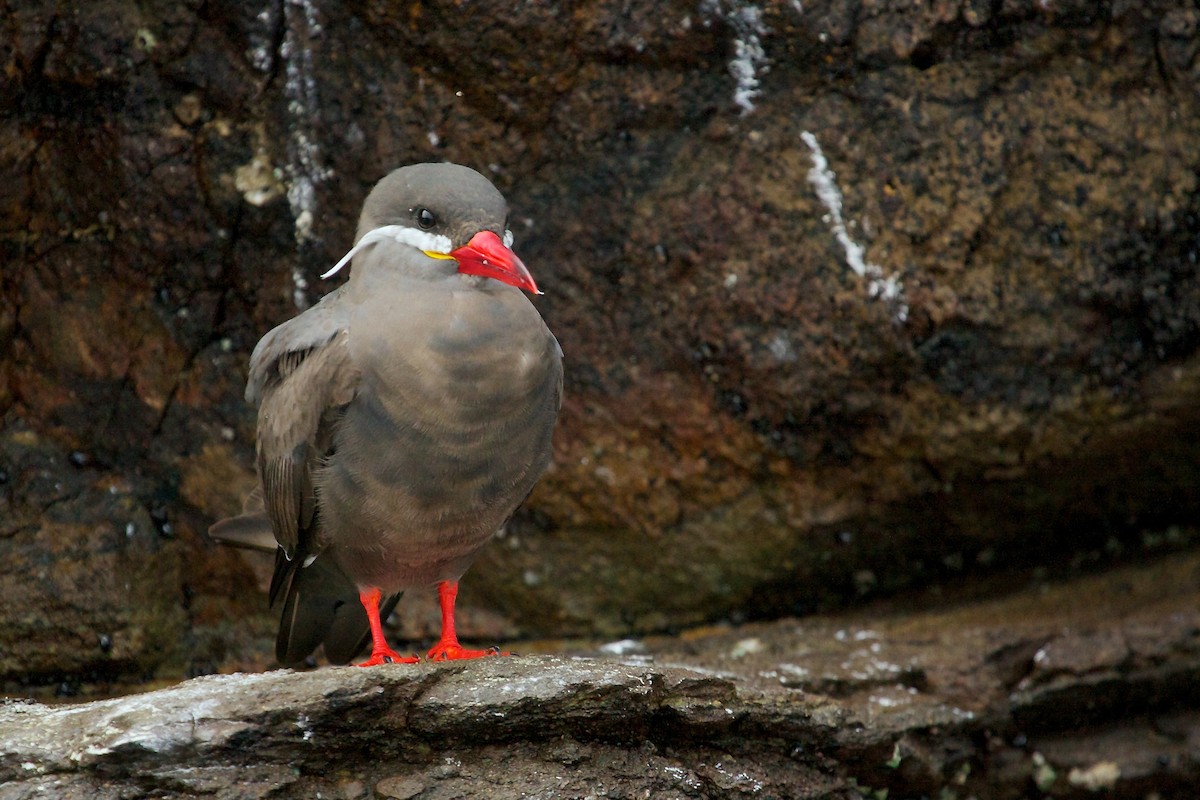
point(887, 288)
point(299, 283)
point(260, 54)
point(749, 58)
point(305, 168)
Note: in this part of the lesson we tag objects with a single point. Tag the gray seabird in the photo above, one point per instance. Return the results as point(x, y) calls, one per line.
point(402, 419)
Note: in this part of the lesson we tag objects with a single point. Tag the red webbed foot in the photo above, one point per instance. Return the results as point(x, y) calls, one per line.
point(453, 651)
point(387, 656)
point(380, 652)
point(448, 648)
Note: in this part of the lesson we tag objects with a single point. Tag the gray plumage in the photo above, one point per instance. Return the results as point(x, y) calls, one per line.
point(401, 420)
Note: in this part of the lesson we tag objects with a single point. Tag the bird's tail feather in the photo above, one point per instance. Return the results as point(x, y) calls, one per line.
point(322, 606)
point(250, 529)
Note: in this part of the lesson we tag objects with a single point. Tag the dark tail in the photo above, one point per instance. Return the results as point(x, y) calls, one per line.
point(321, 606)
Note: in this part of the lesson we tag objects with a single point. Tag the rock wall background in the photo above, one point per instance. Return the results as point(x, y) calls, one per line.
point(752, 428)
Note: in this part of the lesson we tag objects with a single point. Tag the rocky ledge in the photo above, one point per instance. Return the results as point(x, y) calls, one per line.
point(1090, 687)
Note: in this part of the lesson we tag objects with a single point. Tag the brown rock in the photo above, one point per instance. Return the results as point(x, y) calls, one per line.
point(752, 426)
point(89, 591)
point(400, 788)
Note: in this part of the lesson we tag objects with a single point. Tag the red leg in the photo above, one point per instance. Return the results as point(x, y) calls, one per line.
point(448, 648)
point(380, 652)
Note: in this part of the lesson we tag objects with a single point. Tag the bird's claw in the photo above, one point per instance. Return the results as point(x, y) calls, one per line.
point(452, 651)
point(388, 656)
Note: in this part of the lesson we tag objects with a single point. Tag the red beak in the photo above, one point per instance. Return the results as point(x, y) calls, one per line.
point(486, 255)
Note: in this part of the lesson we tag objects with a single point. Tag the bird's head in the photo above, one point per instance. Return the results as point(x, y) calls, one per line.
point(446, 212)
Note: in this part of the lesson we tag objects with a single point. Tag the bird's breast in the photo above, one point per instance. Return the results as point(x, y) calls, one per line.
point(469, 350)
point(449, 430)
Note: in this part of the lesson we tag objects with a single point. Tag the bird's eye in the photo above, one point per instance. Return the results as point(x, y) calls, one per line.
point(425, 219)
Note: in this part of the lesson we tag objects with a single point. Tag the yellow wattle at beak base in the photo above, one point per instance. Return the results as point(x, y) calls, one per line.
point(435, 254)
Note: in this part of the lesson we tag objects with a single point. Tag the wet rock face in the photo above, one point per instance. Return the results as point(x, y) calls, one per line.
point(90, 591)
point(854, 296)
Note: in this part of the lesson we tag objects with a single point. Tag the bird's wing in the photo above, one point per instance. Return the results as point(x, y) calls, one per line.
point(302, 376)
